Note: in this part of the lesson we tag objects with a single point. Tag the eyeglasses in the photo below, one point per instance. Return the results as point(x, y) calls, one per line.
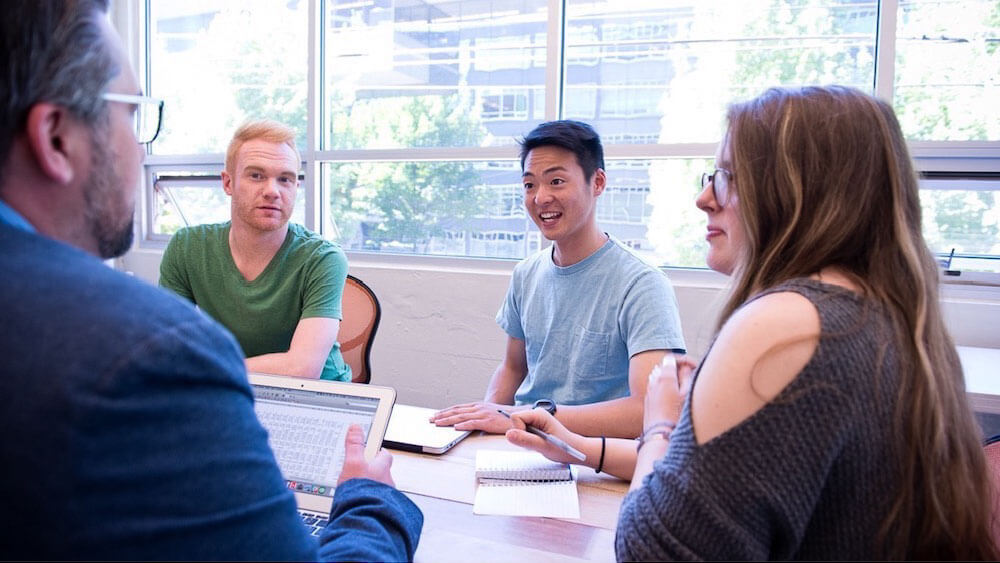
point(720, 179)
point(148, 116)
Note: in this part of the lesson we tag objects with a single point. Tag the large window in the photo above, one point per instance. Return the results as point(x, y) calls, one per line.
point(410, 111)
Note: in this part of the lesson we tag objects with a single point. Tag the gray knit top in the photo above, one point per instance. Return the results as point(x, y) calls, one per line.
point(810, 475)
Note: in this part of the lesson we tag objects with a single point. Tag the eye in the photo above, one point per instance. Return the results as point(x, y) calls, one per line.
point(256, 175)
point(528, 186)
point(557, 181)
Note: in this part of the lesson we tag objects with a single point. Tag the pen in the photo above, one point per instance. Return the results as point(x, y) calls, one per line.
point(551, 439)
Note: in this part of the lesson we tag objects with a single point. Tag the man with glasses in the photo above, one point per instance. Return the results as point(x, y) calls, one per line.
point(128, 423)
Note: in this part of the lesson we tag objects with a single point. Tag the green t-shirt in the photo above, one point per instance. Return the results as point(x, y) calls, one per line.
point(304, 279)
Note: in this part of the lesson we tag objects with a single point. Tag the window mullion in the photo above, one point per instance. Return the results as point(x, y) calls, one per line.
point(554, 59)
point(885, 49)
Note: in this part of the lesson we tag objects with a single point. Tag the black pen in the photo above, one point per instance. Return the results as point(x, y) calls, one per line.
point(551, 439)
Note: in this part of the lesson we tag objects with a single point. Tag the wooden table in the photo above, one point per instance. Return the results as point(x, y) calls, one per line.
point(444, 488)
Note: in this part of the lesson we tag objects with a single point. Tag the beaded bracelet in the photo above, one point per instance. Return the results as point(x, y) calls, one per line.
point(654, 431)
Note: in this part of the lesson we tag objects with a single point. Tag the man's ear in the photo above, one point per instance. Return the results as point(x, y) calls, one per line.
point(227, 182)
point(600, 181)
point(53, 140)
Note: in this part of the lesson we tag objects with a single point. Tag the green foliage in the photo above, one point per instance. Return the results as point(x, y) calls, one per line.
point(403, 203)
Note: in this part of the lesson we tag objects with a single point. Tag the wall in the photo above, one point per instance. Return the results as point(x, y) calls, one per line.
point(438, 342)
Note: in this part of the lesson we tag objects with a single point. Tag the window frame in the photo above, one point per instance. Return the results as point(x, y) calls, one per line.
point(130, 18)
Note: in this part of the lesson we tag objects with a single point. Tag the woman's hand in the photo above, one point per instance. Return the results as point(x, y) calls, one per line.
point(669, 384)
point(542, 420)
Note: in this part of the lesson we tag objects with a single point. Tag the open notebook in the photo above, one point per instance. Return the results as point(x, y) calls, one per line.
point(524, 484)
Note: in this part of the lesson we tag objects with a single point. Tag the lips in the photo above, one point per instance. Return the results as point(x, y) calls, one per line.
point(713, 232)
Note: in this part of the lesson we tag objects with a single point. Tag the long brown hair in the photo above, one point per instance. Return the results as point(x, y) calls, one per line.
point(823, 179)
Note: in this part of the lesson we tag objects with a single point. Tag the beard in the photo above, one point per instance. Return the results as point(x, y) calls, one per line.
point(108, 219)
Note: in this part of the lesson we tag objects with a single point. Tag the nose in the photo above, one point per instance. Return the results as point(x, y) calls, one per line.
point(271, 192)
point(706, 199)
point(543, 195)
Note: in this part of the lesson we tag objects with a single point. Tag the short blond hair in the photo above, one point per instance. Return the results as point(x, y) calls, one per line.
point(266, 129)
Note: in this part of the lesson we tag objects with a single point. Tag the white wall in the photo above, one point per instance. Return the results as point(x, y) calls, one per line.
point(438, 342)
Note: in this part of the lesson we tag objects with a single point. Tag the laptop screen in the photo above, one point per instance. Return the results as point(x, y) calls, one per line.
point(306, 431)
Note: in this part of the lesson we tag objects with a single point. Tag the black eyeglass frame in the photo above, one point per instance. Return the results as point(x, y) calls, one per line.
point(140, 100)
point(720, 189)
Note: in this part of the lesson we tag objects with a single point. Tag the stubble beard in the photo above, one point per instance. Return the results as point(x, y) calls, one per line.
point(102, 200)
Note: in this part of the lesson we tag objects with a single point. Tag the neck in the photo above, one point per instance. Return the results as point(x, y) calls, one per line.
point(574, 249)
point(53, 211)
point(250, 245)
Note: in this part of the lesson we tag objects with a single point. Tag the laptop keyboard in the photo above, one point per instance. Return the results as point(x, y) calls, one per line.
point(314, 522)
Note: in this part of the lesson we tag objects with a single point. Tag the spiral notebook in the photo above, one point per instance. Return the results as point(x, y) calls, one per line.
point(524, 484)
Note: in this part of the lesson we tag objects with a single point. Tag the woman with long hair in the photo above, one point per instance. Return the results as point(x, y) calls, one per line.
point(828, 419)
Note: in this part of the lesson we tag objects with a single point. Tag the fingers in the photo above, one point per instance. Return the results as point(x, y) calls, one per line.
point(456, 419)
point(453, 410)
point(354, 441)
point(539, 418)
point(527, 440)
point(381, 468)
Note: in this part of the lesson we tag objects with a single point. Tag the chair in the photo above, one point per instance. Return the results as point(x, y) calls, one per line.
point(992, 449)
point(362, 313)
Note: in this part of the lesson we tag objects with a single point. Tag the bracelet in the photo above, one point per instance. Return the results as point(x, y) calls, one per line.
point(646, 438)
point(669, 426)
point(654, 431)
point(600, 464)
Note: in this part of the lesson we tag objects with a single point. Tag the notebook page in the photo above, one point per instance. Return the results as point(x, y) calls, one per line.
point(553, 499)
point(519, 465)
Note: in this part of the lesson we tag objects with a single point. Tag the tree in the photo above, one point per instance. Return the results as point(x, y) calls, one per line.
point(403, 204)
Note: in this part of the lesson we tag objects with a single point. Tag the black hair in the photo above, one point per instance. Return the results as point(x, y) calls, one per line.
point(574, 136)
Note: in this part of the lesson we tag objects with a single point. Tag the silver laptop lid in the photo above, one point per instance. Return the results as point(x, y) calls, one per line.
point(410, 429)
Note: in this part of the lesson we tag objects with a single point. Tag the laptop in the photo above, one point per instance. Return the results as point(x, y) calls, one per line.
point(410, 430)
point(306, 422)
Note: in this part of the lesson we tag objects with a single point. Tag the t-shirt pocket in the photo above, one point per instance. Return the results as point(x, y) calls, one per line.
point(589, 354)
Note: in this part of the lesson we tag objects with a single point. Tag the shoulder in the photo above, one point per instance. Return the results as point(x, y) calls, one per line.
point(533, 263)
point(631, 264)
point(198, 236)
point(81, 312)
point(636, 276)
point(313, 246)
point(759, 351)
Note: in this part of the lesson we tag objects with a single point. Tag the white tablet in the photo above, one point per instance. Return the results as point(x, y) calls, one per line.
point(306, 421)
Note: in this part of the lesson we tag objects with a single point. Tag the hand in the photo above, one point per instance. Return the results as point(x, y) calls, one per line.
point(542, 420)
point(355, 464)
point(476, 416)
point(669, 384)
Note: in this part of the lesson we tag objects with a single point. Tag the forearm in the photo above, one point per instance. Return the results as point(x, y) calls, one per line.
point(371, 521)
point(643, 461)
point(619, 455)
point(620, 418)
point(284, 363)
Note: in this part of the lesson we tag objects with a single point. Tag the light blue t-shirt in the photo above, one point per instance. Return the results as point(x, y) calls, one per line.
point(582, 323)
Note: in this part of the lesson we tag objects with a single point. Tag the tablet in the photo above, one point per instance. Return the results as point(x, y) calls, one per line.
point(306, 422)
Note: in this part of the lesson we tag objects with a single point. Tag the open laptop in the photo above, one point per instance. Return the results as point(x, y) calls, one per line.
point(306, 422)
point(410, 430)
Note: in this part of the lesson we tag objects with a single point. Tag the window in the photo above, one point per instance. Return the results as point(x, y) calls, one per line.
point(410, 111)
point(185, 197)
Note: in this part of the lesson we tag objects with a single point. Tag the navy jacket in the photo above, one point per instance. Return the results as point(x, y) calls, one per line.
point(129, 431)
